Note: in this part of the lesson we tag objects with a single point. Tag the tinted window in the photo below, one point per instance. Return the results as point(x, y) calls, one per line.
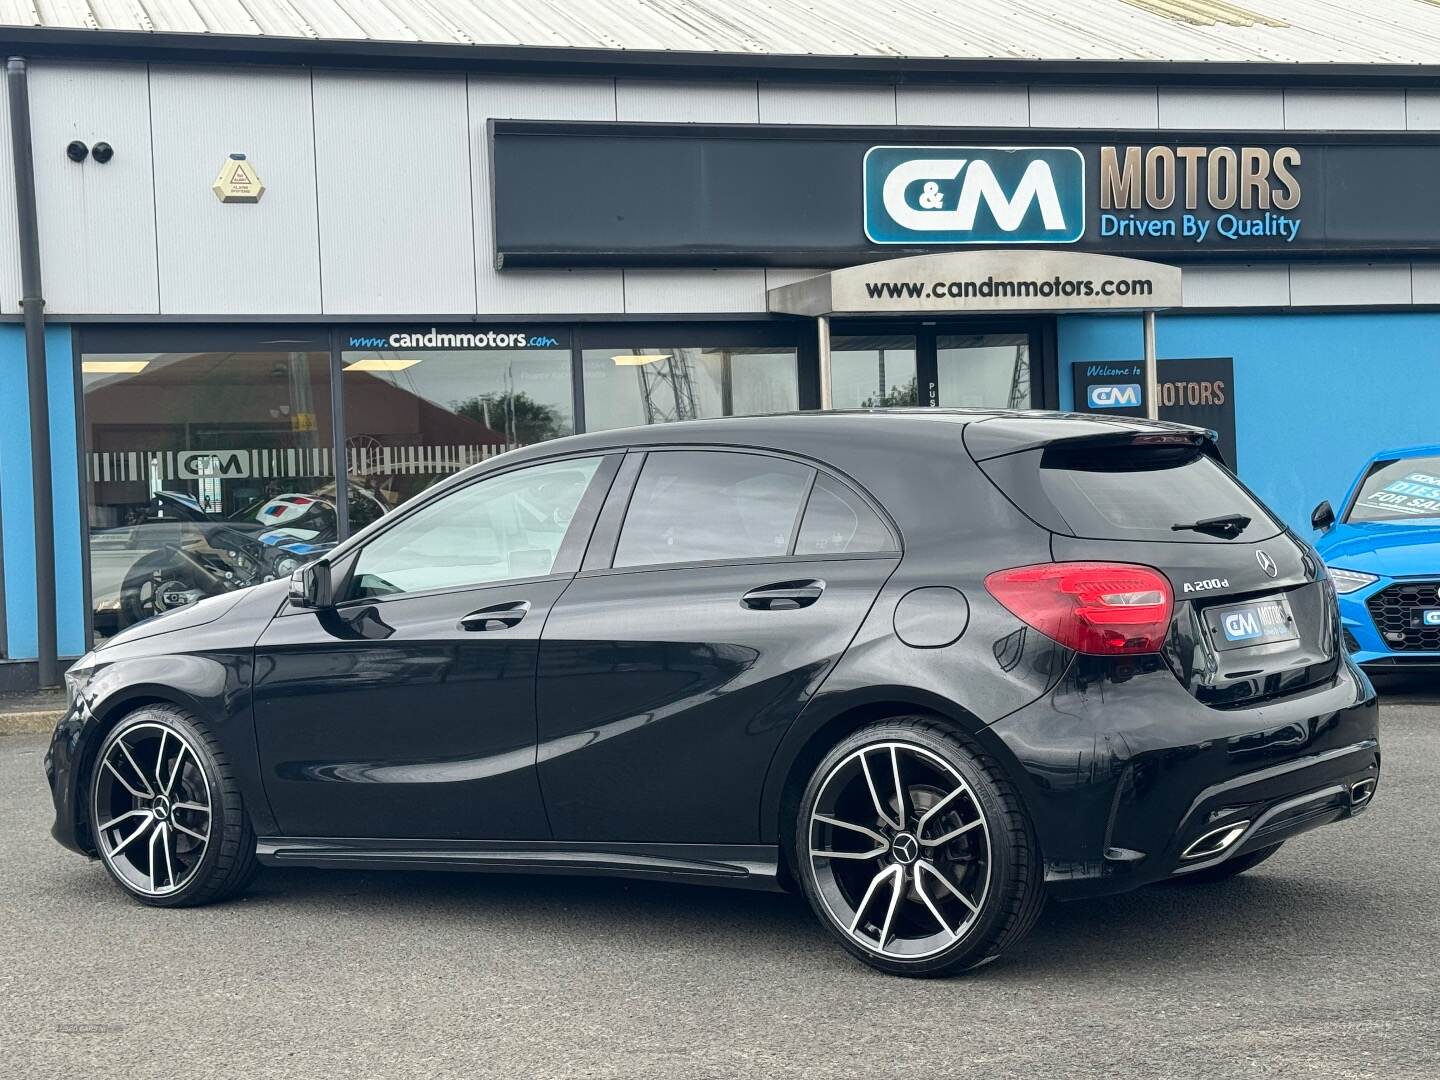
point(510, 526)
point(694, 506)
point(1129, 493)
point(837, 520)
point(1399, 491)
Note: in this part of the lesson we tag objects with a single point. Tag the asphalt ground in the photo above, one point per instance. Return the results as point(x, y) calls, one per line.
point(1323, 962)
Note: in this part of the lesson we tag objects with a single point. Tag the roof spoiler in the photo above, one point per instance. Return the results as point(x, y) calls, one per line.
point(1002, 435)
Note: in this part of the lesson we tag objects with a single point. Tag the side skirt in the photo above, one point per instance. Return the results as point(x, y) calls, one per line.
point(746, 866)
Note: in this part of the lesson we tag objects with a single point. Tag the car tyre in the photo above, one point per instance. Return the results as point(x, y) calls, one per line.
point(166, 814)
point(913, 849)
point(1228, 869)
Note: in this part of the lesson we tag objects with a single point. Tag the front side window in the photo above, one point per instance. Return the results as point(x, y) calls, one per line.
point(1401, 490)
point(506, 527)
point(657, 384)
point(701, 506)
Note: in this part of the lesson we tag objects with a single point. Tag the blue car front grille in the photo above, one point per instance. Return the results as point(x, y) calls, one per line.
point(1397, 611)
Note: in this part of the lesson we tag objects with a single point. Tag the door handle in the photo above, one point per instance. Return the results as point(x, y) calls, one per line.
point(784, 595)
point(499, 617)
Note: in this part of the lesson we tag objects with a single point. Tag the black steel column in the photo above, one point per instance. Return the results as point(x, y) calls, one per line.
point(32, 305)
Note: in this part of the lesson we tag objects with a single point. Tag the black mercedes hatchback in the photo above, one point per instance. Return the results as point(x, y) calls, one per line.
point(926, 667)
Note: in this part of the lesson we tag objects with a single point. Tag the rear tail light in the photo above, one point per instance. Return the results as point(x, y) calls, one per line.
point(1105, 609)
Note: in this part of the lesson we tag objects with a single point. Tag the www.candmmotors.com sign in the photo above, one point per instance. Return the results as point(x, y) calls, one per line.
point(618, 194)
point(455, 337)
point(974, 195)
point(984, 280)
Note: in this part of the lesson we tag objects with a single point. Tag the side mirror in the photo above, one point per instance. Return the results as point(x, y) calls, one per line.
point(310, 586)
point(1322, 517)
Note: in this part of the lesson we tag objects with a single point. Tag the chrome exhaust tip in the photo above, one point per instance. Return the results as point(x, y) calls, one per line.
point(1215, 841)
point(1361, 791)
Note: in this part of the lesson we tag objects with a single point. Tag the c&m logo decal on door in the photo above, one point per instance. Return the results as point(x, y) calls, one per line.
point(974, 194)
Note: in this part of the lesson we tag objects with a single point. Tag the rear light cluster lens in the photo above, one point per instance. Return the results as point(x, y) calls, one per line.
point(1103, 609)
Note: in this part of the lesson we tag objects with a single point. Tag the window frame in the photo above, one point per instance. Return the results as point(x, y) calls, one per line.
point(600, 555)
point(567, 557)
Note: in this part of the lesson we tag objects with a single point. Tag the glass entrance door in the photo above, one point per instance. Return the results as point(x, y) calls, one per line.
point(987, 371)
point(970, 365)
point(873, 371)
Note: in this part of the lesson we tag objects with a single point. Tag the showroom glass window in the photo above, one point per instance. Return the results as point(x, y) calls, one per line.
point(654, 384)
point(206, 471)
point(873, 371)
point(415, 415)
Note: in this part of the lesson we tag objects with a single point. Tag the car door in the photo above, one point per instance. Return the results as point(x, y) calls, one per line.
point(718, 590)
point(407, 708)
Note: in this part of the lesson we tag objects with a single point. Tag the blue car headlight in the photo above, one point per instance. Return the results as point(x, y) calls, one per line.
point(1348, 581)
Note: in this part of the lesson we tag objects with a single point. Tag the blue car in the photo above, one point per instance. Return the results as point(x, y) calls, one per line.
point(1384, 557)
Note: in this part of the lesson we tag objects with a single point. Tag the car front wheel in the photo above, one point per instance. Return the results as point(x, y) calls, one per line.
point(913, 849)
point(166, 813)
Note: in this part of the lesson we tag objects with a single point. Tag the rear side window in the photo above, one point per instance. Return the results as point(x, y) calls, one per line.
point(1132, 493)
point(837, 521)
point(699, 506)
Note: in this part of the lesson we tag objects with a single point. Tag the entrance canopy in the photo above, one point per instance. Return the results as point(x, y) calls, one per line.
point(998, 280)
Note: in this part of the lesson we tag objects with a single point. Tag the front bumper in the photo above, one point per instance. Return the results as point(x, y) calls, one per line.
point(1364, 641)
point(1122, 771)
point(63, 775)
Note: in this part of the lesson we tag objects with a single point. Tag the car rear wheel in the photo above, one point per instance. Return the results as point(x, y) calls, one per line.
point(166, 813)
point(913, 849)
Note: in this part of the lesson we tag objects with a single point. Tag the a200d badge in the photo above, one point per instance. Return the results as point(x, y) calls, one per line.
point(1207, 585)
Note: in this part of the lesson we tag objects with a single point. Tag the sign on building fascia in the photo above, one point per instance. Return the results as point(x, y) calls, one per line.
point(995, 280)
point(238, 182)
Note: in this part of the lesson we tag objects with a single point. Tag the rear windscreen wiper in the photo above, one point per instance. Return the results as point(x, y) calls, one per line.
point(1227, 525)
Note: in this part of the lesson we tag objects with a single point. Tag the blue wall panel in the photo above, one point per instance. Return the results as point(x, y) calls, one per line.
point(1315, 395)
point(18, 508)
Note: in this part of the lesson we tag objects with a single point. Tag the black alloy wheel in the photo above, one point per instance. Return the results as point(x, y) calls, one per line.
point(913, 850)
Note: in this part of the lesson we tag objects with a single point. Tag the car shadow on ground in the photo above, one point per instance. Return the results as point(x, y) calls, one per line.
point(1421, 689)
point(1205, 926)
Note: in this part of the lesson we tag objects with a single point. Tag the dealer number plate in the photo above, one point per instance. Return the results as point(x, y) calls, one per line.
point(1257, 623)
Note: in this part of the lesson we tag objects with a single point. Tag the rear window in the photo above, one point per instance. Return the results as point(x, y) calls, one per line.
point(1173, 494)
point(1402, 490)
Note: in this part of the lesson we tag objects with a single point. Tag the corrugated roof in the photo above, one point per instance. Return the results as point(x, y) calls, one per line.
point(1400, 32)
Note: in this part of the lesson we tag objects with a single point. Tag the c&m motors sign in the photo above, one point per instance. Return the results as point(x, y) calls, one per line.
point(974, 195)
point(628, 194)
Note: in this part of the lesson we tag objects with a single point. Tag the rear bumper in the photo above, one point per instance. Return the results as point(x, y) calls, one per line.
point(1123, 771)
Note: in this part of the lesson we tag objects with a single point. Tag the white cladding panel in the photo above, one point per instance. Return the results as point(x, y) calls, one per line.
point(9, 231)
point(394, 183)
point(963, 106)
point(1345, 110)
point(235, 258)
point(1208, 285)
point(1349, 284)
point(1093, 107)
point(681, 291)
point(804, 103)
point(533, 292)
point(97, 222)
point(1213, 109)
point(687, 103)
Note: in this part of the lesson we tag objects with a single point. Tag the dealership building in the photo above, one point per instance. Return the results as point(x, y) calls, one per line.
point(254, 249)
